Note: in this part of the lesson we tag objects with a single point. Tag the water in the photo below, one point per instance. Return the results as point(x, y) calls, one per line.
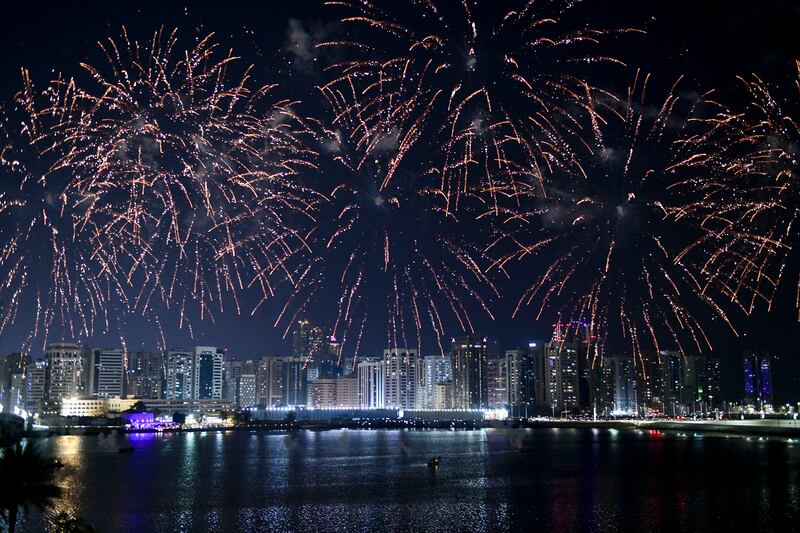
point(567, 480)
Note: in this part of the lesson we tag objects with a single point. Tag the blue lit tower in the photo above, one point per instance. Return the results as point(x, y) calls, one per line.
point(758, 377)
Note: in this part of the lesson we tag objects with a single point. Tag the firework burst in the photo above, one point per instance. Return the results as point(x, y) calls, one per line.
point(390, 250)
point(471, 79)
point(606, 235)
point(753, 200)
point(183, 174)
point(47, 266)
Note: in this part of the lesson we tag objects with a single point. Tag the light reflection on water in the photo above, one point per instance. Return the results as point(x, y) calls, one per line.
point(376, 480)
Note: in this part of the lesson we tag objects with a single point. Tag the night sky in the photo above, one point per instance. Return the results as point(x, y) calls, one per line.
point(709, 42)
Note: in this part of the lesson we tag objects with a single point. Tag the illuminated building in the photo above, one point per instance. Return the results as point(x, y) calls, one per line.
point(179, 375)
point(758, 378)
point(95, 406)
point(436, 369)
point(106, 372)
point(622, 379)
point(13, 368)
point(295, 381)
point(525, 378)
point(65, 371)
point(308, 341)
point(35, 386)
point(208, 367)
point(470, 377)
point(371, 384)
point(145, 374)
point(401, 367)
point(497, 387)
point(322, 393)
point(569, 369)
point(443, 395)
point(347, 392)
point(271, 381)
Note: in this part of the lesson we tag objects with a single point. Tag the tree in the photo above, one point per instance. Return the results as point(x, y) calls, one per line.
point(26, 478)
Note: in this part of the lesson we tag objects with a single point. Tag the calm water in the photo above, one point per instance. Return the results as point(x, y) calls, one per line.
point(570, 479)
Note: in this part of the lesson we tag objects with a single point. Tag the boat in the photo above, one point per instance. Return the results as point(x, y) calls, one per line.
point(434, 463)
point(127, 449)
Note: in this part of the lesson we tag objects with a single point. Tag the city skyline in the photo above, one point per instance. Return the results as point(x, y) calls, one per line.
point(776, 330)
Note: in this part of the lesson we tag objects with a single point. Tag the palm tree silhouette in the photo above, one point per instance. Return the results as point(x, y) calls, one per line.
point(26, 478)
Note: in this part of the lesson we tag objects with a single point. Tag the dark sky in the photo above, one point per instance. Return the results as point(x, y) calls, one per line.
point(710, 41)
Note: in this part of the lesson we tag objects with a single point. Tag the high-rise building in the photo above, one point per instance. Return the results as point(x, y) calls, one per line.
point(371, 384)
point(308, 341)
point(650, 384)
point(239, 383)
point(36, 386)
point(497, 376)
point(525, 381)
point(179, 375)
point(247, 391)
point(65, 371)
point(562, 374)
point(106, 372)
point(470, 377)
point(208, 369)
point(295, 381)
point(622, 381)
point(146, 377)
point(758, 377)
point(701, 383)
point(436, 369)
point(12, 375)
point(401, 368)
point(271, 382)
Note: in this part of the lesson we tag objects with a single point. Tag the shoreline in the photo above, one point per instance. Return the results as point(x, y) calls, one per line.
point(773, 428)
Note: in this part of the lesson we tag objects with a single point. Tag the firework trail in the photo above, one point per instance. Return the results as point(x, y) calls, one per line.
point(605, 242)
point(389, 251)
point(471, 79)
point(47, 267)
point(754, 194)
point(184, 175)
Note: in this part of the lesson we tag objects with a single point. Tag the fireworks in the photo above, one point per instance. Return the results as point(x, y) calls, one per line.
point(390, 252)
point(752, 203)
point(464, 140)
point(182, 175)
point(605, 238)
point(471, 80)
point(47, 269)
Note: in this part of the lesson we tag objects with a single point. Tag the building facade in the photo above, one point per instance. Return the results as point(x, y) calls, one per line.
point(470, 374)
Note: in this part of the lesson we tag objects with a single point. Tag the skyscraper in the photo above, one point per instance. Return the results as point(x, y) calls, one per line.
point(106, 372)
point(497, 388)
point(65, 371)
point(401, 368)
point(11, 368)
point(758, 377)
point(308, 341)
point(295, 381)
point(371, 384)
point(271, 382)
point(623, 384)
point(470, 377)
point(436, 369)
point(526, 383)
point(179, 375)
point(146, 375)
point(36, 386)
point(208, 369)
